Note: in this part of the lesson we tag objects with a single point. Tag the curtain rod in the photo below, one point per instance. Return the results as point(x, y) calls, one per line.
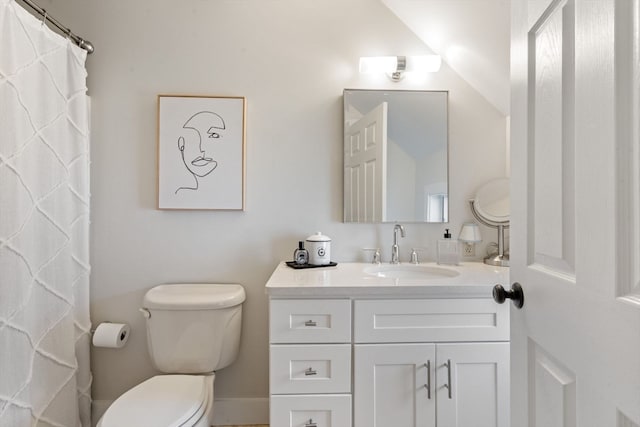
point(84, 44)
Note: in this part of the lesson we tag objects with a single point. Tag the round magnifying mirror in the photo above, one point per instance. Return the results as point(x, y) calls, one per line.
point(491, 206)
point(492, 200)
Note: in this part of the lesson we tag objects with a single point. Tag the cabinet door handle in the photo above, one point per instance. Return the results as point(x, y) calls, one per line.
point(310, 371)
point(428, 384)
point(448, 384)
point(310, 423)
point(310, 323)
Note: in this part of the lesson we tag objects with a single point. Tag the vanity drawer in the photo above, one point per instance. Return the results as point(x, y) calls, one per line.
point(311, 411)
point(310, 321)
point(310, 368)
point(430, 320)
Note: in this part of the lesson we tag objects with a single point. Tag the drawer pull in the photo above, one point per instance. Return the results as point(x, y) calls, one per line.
point(310, 371)
point(310, 323)
point(448, 385)
point(310, 423)
point(428, 384)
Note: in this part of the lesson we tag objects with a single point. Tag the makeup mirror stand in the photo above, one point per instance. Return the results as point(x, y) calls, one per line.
point(500, 259)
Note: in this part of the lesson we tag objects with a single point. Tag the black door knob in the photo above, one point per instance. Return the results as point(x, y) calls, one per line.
point(516, 294)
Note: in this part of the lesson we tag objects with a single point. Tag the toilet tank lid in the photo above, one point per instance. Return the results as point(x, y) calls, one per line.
point(194, 296)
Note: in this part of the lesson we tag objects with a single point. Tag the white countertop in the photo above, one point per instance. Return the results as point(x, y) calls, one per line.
point(472, 280)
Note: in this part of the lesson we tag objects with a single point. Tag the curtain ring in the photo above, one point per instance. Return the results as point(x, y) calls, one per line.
point(44, 17)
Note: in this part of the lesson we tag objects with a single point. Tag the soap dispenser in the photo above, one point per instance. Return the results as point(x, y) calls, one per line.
point(448, 252)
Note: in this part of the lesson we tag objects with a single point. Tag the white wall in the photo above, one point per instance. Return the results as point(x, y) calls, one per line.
point(291, 59)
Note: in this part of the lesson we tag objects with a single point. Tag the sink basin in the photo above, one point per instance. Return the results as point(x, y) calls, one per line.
point(410, 271)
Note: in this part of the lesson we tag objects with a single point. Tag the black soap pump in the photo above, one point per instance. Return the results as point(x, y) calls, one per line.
point(301, 255)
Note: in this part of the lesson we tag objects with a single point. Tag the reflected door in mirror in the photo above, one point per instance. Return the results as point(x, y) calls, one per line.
point(365, 167)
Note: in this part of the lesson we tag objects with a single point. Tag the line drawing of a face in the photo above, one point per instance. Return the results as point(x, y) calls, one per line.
point(196, 148)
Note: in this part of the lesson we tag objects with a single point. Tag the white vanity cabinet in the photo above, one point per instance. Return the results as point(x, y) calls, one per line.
point(381, 353)
point(431, 362)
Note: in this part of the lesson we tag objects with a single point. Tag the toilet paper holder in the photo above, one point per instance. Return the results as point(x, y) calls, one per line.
point(123, 334)
point(110, 334)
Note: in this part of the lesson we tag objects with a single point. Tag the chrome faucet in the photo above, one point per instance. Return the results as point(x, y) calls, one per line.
point(395, 250)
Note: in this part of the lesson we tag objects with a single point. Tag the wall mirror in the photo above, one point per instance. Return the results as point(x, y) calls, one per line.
point(396, 156)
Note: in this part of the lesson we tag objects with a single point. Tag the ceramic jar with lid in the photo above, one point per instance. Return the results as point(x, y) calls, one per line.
point(319, 247)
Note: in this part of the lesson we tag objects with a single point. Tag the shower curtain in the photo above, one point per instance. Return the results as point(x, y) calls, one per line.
point(44, 226)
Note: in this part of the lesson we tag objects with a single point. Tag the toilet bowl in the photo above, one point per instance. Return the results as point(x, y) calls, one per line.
point(193, 330)
point(164, 400)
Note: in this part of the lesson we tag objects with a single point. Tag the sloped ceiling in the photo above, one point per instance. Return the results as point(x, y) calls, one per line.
point(472, 36)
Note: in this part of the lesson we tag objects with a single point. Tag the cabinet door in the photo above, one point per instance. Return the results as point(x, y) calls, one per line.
point(394, 385)
point(473, 385)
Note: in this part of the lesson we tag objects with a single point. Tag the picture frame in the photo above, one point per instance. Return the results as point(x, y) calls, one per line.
point(201, 152)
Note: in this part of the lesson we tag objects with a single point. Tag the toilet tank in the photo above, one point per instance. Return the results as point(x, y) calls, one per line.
point(193, 328)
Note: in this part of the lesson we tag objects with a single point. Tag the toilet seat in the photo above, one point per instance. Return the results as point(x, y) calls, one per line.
point(163, 400)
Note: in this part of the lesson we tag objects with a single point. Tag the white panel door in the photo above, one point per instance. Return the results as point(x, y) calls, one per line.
point(472, 384)
point(394, 385)
point(365, 167)
point(575, 345)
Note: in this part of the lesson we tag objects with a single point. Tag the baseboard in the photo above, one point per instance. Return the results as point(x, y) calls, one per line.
point(226, 411)
point(240, 411)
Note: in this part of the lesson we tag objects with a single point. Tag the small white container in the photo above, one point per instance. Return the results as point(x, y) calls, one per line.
point(319, 247)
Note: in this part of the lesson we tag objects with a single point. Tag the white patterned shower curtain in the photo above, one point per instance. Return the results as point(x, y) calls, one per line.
point(44, 226)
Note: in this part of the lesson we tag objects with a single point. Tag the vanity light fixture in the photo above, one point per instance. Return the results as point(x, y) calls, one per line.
point(396, 66)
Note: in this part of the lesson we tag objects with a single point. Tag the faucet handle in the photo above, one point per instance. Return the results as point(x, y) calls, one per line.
point(414, 254)
point(376, 254)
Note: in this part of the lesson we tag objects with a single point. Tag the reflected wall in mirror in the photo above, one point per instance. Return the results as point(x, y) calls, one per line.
point(396, 156)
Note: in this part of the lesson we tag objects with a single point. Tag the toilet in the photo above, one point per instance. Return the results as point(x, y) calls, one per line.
point(193, 330)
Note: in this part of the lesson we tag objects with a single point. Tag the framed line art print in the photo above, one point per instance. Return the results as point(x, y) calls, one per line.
point(201, 152)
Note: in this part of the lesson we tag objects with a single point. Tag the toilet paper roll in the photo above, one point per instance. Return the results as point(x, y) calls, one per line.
point(111, 335)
